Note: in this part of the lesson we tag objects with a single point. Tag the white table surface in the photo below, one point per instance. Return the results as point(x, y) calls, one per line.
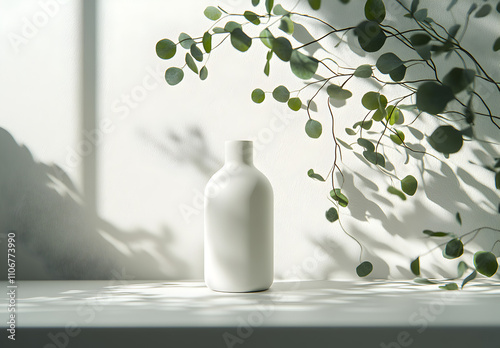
point(288, 304)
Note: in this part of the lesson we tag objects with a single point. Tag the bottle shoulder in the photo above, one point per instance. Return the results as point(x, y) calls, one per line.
point(237, 175)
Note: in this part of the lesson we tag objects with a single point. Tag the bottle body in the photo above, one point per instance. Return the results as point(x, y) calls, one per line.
point(239, 239)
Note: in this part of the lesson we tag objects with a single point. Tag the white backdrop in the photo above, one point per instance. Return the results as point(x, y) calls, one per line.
point(158, 145)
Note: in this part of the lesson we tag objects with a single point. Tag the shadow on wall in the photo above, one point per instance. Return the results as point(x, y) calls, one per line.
point(57, 238)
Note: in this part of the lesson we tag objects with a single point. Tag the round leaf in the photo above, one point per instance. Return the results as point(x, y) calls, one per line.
point(398, 138)
point(363, 124)
point(281, 94)
point(367, 144)
point(295, 104)
point(449, 286)
point(173, 76)
point(332, 215)
point(255, 2)
point(398, 74)
point(454, 248)
point(446, 139)
point(280, 11)
point(392, 114)
point(252, 17)
point(363, 71)
point(483, 12)
point(433, 97)
point(485, 263)
point(165, 49)
point(258, 95)
point(364, 269)
point(230, 26)
point(212, 13)
point(374, 158)
point(313, 128)
point(371, 37)
point(409, 185)
point(240, 40)
point(267, 38)
point(388, 62)
point(374, 101)
point(338, 93)
point(282, 48)
point(303, 66)
point(207, 42)
point(375, 10)
point(286, 24)
point(203, 73)
point(185, 41)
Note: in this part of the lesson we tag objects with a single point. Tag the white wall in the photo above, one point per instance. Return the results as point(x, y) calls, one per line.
point(159, 145)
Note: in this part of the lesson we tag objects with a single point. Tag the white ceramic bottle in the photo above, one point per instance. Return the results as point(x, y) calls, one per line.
point(239, 224)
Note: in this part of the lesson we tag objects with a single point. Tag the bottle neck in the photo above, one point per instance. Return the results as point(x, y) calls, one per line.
point(239, 151)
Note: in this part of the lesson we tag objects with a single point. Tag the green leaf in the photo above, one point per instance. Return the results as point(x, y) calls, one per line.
point(454, 248)
point(312, 174)
point(415, 266)
point(286, 25)
point(497, 181)
point(282, 48)
point(219, 30)
point(280, 11)
point(449, 286)
point(409, 185)
point(191, 64)
point(485, 263)
point(251, 17)
point(203, 73)
point(344, 144)
point(379, 114)
point(230, 26)
point(398, 74)
point(374, 158)
point(165, 49)
point(255, 2)
point(240, 40)
point(388, 62)
point(446, 139)
point(269, 5)
point(375, 10)
point(374, 101)
point(496, 45)
point(337, 195)
point(258, 95)
point(281, 94)
point(212, 13)
point(459, 218)
point(363, 71)
point(470, 277)
point(420, 39)
point(458, 79)
point(267, 38)
point(392, 114)
point(295, 104)
point(207, 42)
point(424, 281)
point(367, 144)
point(363, 124)
point(304, 67)
point(398, 138)
point(350, 131)
point(267, 67)
point(461, 268)
point(396, 192)
point(435, 234)
point(483, 12)
point(173, 76)
point(196, 53)
point(371, 37)
point(433, 97)
point(315, 4)
point(338, 93)
point(332, 214)
point(313, 128)
point(364, 269)
point(185, 41)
